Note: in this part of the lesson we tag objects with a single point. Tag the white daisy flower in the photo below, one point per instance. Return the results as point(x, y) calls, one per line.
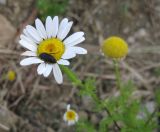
point(70, 116)
point(48, 46)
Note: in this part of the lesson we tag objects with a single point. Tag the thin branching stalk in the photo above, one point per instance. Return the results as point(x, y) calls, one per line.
point(115, 123)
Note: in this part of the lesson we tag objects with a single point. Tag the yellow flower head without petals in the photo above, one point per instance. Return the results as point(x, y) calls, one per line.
point(11, 75)
point(115, 47)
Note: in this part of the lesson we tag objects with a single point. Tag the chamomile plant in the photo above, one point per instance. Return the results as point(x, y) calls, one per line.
point(49, 46)
point(70, 116)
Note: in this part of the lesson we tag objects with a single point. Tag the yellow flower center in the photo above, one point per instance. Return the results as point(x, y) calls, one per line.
point(11, 75)
point(71, 115)
point(53, 47)
point(115, 47)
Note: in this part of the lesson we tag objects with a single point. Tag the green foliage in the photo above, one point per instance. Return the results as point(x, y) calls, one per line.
point(158, 97)
point(85, 126)
point(156, 71)
point(51, 7)
point(124, 112)
point(88, 88)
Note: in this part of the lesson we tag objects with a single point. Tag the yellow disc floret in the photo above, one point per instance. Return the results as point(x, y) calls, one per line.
point(70, 115)
point(11, 75)
point(115, 47)
point(53, 47)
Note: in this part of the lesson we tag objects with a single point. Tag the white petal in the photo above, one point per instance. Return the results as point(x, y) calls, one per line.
point(28, 39)
point(29, 53)
point(62, 25)
point(49, 26)
point(30, 60)
point(48, 70)
point(68, 54)
point(78, 50)
point(77, 117)
point(57, 74)
point(73, 37)
point(63, 32)
point(27, 45)
point(68, 107)
point(64, 116)
point(29, 36)
point(52, 26)
point(40, 28)
point(33, 32)
point(26, 33)
point(55, 26)
point(72, 122)
point(63, 62)
point(75, 42)
point(41, 68)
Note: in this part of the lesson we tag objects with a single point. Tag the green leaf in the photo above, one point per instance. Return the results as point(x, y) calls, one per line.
point(51, 7)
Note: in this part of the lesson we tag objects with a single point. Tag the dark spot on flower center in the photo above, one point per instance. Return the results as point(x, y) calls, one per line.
point(47, 58)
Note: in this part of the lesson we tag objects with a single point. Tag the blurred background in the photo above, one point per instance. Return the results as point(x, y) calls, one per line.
point(31, 103)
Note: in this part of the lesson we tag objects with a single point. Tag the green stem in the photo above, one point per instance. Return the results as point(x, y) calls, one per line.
point(117, 73)
point(71, 76)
